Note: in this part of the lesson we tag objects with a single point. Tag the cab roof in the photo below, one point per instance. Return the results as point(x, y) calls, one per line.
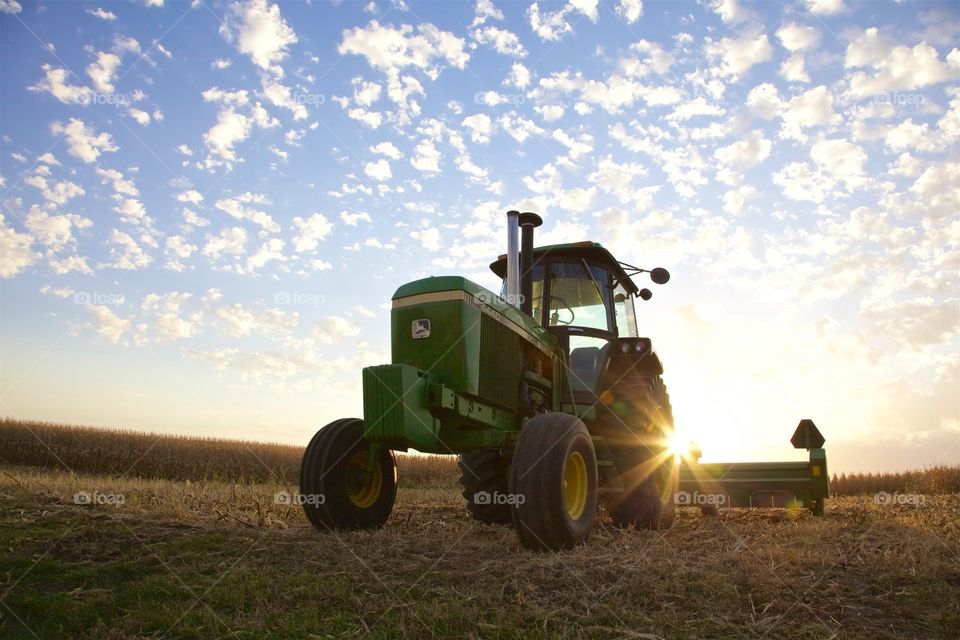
point(592, 252)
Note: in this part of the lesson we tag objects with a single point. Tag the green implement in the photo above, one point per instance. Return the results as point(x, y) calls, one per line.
point(760, 484)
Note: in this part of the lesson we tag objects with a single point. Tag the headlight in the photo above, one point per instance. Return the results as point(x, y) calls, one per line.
point(626, 347)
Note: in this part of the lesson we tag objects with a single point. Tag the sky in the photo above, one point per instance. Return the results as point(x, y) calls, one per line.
point(206, 206)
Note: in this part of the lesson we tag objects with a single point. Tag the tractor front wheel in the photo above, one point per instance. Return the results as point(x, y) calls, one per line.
point(554, 483)
point(485, 477)
point(339, 486)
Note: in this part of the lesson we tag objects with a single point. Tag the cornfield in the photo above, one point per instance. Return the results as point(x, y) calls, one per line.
point(168, 457)
point(158, 456)
point(936, 480)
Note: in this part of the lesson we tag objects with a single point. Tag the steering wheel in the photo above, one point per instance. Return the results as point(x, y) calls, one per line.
point(555, 316)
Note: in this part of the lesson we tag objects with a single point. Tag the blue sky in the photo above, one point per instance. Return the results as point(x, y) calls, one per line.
point(207, 206)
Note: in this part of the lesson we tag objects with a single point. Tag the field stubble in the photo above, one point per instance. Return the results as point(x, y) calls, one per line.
point(188, 559)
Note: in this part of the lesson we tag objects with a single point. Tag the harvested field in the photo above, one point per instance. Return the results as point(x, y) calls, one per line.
point(178, 559)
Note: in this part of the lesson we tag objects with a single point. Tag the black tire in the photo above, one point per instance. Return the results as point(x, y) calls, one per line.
point(651, 472)
point(550, 512)
point(484, 473)
point(334, 493)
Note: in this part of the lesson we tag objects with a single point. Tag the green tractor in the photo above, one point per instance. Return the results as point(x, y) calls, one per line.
point(547, 393)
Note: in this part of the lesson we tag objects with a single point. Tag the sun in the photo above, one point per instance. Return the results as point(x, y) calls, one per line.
point(678, 445)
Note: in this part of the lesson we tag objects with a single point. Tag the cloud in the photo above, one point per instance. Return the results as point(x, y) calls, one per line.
point(481, 127)
point(55, 83)
point(109, 324)
point(230, 241)
point(737, 55)
point(259, 31)
point(10, 6)
point(392, 49)
point(231, 129)
point(269, 251)
point(764, 100)
point(192, 196)
point(142, 117)
point(282, 96)
point(16, 253)
point(239, 209)
point(426, 157)
point(812, 108)
point(553, 25)
point(103, 71)
point(519, 76)
point(795, 37)
point(55, 231)
point(85, 143)
point(333, 329)
point(485, 9)
point(824, 7)
point(177, 249)
point(745, 153)
point(631, 10)
point(125, 253)
point(503, 42)
point(429, 238)
point(311, 231)
point(379, 170)
point(387, 148)
point(896, 67)
point(351, 219)
point(56, 194)
point(842, 159)
point(120, 184)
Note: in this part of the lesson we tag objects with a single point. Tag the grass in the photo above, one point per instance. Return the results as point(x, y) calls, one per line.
point(182, 559)
point(195, 545)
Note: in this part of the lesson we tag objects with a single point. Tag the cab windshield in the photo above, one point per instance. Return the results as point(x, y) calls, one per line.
point(579, 295)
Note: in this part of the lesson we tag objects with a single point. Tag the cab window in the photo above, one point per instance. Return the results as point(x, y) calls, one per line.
point(579, 295)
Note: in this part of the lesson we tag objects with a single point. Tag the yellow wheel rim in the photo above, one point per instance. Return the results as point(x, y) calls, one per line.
point(575, 485)
point(363, 489)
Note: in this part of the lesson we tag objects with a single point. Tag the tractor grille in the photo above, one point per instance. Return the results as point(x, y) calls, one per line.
point(499, 363)
point(383, 413)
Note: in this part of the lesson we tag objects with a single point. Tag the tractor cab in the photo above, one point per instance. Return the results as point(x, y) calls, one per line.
point(585, 298)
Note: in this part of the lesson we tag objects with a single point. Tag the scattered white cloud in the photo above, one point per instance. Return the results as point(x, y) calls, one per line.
point(310, 231)
point(242, 208)
point(258, 30)
point(85, 143)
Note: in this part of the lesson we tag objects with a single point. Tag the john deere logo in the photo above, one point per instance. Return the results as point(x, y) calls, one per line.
point(420, 329)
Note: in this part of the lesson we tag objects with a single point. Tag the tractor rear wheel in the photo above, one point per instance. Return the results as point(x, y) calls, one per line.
point(336, 488)
point(554, 483)
point(649, 500)
point(485, 477)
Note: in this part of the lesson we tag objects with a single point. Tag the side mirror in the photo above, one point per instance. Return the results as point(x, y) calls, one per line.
point(660, 276)
point(645, 294)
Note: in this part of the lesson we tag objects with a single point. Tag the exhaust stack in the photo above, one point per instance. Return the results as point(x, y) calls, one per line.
point(513, 258)
point(528, 222)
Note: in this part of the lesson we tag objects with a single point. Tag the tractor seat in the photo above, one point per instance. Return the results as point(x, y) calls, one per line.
point(585, 366)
